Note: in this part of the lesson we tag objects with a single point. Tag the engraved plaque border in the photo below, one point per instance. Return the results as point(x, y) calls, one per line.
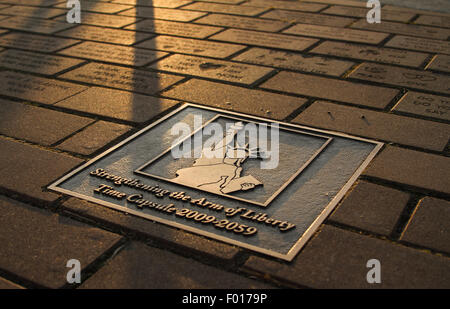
point(290, 255)
point(140, 169)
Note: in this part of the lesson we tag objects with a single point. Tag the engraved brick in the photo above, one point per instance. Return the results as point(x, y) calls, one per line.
point(163, 13)
point(428, 226)
point(241, 22)
point(341, 2)
point(362, 13)
point(337, 90)
point(414, 168)
point(171, 4)
point(211, 68)
point(31, 237)
point(250, 101)
point(225, 8)
point(27, 169)
point(113, 53)
point(419, 44)
point(104, 20)
point(105, 35)
point(99, 7)
point(35, 24)
point(30, 11)
point(415, 11)
point(34, 62)
point(294, 61)
point(35, 42)
point(308, 18)
point(94, 137)
point(440, 63)
point(132, 267)
point(224, 1)
point(174, 28)
point(378, 125)
point(264, 39)
point(38, 125)
point(163, 233)
point(376, 54)
point(406, 29)
point(122, 78)
point(437, 21)
point(45, 3)
point(424, 104)
point(287, 5)
point(117, 104)
point(192, 46)
point(371, 207)
point(408, 78)
point(336, 258)
point(37, 89)
point(353, 35)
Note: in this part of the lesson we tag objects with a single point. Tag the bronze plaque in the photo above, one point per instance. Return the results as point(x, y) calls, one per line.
point(269, 196)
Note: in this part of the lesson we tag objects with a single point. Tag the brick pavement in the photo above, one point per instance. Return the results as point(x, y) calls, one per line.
point(69, 92)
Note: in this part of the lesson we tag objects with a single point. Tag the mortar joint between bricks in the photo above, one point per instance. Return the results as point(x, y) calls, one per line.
point(405, 217)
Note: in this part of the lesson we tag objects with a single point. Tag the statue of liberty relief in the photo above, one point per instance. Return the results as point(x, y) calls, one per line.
point(219, 169)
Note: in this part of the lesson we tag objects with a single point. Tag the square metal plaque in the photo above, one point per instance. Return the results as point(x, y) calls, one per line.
point(228, 197)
